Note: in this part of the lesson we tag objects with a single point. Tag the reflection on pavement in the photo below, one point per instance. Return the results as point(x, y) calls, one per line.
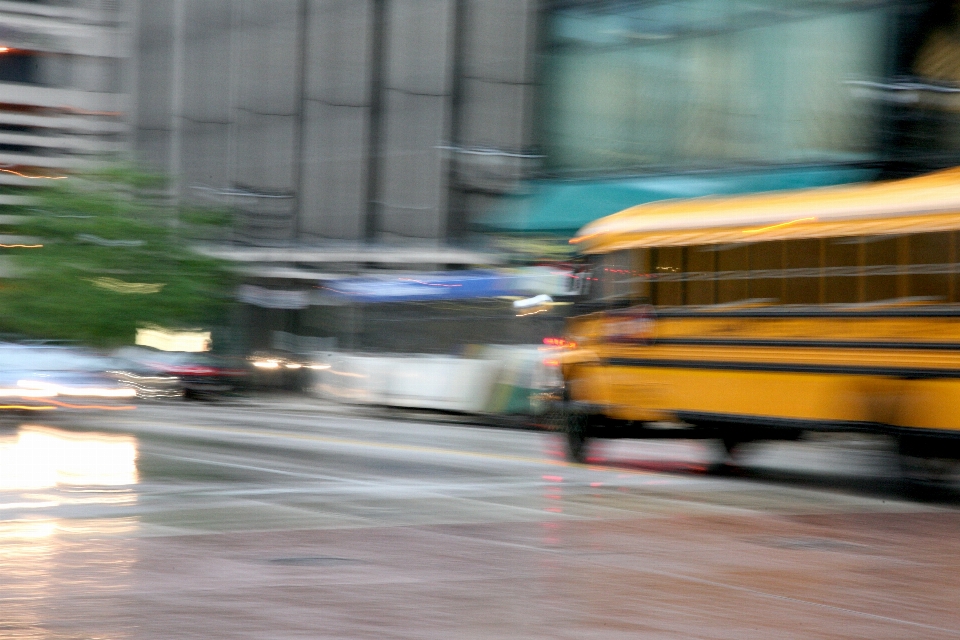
point(44, 558)
point(44, 458)
point(45, 562)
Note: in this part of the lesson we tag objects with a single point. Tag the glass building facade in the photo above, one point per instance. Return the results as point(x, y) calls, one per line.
point(669, 85)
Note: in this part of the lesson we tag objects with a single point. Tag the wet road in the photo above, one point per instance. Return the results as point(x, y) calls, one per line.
point(271, 520)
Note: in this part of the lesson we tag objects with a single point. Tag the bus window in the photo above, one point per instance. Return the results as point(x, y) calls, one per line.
point(802, 258)
point(701, 260)
point(613, 277)
point(641, 279)
point(583, 279)
point(766, 262)
point(934, 251)
point(733, 287)
point(881, 254)
point(842, 265)
point(669, 270)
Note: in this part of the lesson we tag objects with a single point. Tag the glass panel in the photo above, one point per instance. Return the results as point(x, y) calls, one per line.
point(736, 259)
point(880, 253)
point(842, 265)
point(931, 249)
point(701, 260)
point(20, 67)
point(669, 264)
point(641, 282)
point(766, 257)
point(707, 82)
point(803, 256)
point(617, 276)
point(588, 279)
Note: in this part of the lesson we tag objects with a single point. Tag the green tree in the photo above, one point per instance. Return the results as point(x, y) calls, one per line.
point(114, 256)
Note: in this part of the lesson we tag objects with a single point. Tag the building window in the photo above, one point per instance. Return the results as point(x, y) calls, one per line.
point(20, 66)
point(698, 83)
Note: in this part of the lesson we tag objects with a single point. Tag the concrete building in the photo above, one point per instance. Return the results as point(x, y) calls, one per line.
point(333, 127)
point(350, 120)
point(64, 87)
point(388, 120)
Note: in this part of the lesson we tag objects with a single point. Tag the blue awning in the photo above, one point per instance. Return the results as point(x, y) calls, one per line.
point(457, 285)
point(564, 206)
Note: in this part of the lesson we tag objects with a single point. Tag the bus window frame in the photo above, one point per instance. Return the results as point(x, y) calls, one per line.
point(902, 266)
point(591, 272)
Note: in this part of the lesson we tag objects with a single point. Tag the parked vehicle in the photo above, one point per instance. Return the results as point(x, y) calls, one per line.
point(200, 375)
point(149, 383)
point(279, 371)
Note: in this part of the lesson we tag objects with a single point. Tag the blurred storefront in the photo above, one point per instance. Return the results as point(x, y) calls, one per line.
point(525, 122)
point(696, 84)
point(405, 311)
point(920, 96)
point(435, 117)
point(643, 101)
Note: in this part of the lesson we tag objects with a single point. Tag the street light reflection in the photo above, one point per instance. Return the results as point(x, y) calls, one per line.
point(45, 561)
point(45, 558)
point(43, 458)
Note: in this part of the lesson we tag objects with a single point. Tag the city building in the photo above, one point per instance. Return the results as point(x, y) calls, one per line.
point(418, 120)
point(333, 128)
point(65, 88)
point(643, 101)
point(338, 120)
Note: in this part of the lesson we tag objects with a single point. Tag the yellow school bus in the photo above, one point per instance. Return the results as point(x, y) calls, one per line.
point(765, 316)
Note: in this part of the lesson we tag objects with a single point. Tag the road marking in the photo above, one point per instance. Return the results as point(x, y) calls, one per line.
point(394, 447)
point(236, 465)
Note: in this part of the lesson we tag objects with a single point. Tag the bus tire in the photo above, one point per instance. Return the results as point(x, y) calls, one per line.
point(725, 462)
point(578, 436)
point(731, 444)
point(922, 469)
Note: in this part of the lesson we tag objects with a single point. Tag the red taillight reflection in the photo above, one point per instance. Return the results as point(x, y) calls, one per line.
point(190, 371)
point(559, 342)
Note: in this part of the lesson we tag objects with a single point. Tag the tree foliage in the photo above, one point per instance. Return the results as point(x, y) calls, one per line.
point(114, 257)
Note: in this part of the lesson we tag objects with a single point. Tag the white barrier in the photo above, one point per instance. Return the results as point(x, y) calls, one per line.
point(499, 379)
point(426, 382)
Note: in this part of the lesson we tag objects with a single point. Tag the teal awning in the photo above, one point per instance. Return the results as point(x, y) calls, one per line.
point(563, 206)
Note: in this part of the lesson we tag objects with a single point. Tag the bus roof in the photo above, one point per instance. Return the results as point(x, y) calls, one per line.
point(926, 203)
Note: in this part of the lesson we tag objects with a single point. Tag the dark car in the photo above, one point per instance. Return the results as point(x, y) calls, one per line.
point(279, 371)
point(201, 375)
point(149, 383)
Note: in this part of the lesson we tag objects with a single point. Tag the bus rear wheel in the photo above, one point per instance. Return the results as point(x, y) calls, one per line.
point(578, 436)
point(926, 464)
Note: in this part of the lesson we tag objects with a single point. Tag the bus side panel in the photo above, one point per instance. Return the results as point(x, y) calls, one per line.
point(929, 404)
point(600, 386)
point(643, 393)
point(632, 393)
